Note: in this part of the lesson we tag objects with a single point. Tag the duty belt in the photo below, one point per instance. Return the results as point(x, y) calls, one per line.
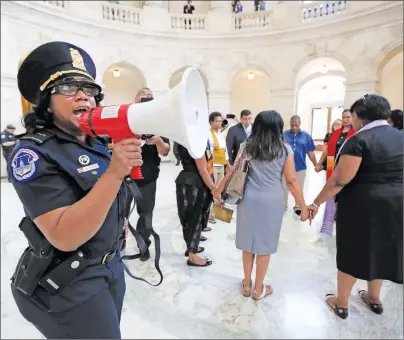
point(64, 273)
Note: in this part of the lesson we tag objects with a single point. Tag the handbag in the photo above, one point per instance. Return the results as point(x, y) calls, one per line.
point(233, 191)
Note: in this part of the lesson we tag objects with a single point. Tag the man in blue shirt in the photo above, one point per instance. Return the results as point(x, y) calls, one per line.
point(302, 144)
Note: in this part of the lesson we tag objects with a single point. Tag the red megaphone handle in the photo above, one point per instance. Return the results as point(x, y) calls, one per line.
point(136, 172)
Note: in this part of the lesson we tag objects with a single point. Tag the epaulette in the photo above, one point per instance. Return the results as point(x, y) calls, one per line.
point(39, 137)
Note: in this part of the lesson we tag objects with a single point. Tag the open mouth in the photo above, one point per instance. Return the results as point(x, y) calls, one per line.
point(80, 110)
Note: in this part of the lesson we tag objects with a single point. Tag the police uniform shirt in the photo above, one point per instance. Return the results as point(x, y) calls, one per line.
point(57, 173)
point(7, 137)
point(151, 161)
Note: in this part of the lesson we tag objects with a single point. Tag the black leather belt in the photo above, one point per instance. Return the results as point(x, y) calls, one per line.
point(108, 257)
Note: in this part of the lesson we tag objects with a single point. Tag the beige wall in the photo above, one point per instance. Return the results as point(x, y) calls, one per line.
point(391, 82)
point(254, 94)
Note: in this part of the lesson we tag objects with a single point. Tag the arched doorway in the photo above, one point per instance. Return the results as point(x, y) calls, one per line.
point(390, 75)
point(320, 94)
point(250, 89)
point(121, 81)
point(177, 76)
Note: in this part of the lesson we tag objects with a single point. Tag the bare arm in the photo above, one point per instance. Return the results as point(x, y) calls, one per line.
point(324, 154)
point(67, 228)
point(163, 148)
point(344, 173)
point(312, 157)
point(203, 171)
point(292, 181)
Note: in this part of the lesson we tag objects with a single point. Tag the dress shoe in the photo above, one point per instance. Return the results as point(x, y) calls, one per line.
point(206, 229)
point(200, 250)
point(203, 238)
point(192, 264)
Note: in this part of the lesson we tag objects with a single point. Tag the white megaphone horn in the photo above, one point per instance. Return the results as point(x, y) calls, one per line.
point(180, 115)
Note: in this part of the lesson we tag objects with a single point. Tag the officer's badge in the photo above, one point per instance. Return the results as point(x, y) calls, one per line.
point(77, 59)
point(24, 164)
point(84, 160)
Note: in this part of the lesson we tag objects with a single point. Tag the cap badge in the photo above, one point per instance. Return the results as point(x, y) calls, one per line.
point(77, 59)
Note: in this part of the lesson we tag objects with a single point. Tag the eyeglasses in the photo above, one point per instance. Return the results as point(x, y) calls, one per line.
point(72, 89)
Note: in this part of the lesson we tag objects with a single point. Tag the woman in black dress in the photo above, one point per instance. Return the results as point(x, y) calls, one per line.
point(368, 182)
point(194, 187)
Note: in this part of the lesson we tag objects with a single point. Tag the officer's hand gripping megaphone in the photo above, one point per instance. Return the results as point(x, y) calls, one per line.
point(181, 115)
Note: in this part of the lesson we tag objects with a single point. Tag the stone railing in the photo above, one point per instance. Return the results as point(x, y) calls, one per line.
point(60, 4)
point(121, 13)
point(322, 9)
point(254, 20)
point(185, 22)
point(291, 15)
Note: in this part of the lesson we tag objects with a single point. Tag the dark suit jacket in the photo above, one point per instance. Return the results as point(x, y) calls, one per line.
point(235, 137)
point(189, 10)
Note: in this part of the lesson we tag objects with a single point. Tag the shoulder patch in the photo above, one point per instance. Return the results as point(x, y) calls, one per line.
point(24, 164)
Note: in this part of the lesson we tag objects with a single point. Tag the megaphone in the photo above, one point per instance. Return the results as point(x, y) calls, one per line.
point(180, 115)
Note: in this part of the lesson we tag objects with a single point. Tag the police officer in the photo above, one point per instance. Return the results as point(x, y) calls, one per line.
point(8, 143)
point(72, 193)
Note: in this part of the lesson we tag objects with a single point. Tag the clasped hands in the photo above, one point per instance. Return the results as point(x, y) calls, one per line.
point(217, 197)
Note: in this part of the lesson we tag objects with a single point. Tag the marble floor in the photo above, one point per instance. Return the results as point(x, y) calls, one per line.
point(206, 303)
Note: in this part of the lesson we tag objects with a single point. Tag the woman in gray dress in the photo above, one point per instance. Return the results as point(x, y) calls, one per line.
point(260, 213)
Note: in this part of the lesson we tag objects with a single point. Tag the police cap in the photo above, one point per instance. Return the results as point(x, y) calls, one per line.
point(10, 127)
point(53, 63)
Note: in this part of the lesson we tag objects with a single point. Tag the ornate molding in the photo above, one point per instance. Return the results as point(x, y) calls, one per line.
point(352, 22)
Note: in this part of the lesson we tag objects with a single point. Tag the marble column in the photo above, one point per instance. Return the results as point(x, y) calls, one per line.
point(283, 101)
point(219, 101)
point(357, 88)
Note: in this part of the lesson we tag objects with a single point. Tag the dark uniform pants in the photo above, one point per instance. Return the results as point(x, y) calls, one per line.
point(7, 155)
point(193, 205)
point(96, 318)
point(144, 210)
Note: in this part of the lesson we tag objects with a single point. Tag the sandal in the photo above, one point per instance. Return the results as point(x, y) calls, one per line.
point(244, 291)
point(340, 312)
point(266, 291)
point(374, 307)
